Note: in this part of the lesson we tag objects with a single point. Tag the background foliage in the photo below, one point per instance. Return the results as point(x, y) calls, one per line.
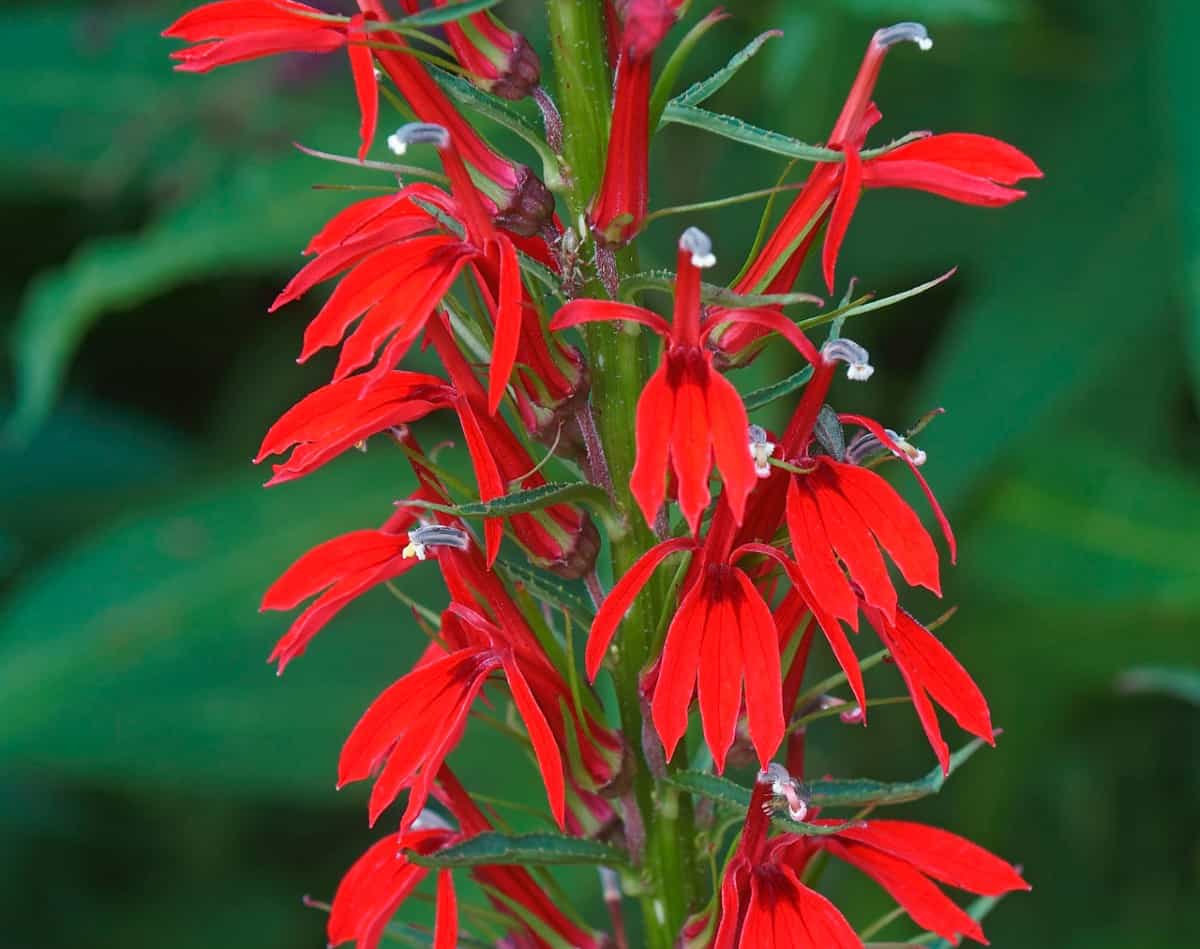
point(159, 786)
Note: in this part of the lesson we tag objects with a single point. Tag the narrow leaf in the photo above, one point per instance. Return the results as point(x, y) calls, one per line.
point(1157, 680)
point(724, 791)
point(676, 62)
point(436, 16)
point(549, 589)
point(541, 850)
point(698, 92)
point(863, 792)
point(523, 502)
point(727, 126)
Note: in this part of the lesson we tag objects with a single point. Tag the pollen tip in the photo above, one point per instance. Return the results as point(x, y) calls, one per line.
point(904, 32)
point(418, 133)
point(699, 245)
point(860, 372)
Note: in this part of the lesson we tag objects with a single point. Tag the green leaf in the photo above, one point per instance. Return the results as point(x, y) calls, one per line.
point(706, 88)
point(786, 386)
point(862, 792)
point(436, 16)
point(551, 589)
point(723, 791)
point(538, 850)
point(250, 220)
point(524, 502)
point(737, 130)
point(675, 63)
point(1160, 680)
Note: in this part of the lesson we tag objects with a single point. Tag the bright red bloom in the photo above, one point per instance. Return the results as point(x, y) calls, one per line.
point(688, 414)
point(339, 570)
point(624, 192)
point(233, 31)
point(971, 169)
point(721, 635)
point(401, 262)
point(527, 205)
point(382, 879)
point(763, 903)
point(406, 733)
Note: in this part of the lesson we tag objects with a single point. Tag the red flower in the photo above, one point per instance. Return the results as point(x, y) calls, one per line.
point(721, 635)
point(383, 878)
point(233, 31)
point(402, 261)
point(339, 570)
point(406, 733)
point(971, 169)
point(763, 903)
point(624, 191)
point(688, 414)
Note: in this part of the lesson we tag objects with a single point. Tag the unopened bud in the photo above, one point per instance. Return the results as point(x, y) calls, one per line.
point(699, 245)
point(418, 133)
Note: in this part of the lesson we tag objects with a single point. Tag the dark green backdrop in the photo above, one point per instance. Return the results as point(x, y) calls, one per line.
point(160, 787)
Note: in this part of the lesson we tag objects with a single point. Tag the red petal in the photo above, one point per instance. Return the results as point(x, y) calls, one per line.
point(621, 597)
point(849, 191)
point(764, 684)
point(942, 181)
point(728, 425)
point(852, 541)
point(238, 49)
point(894, 524)
point(878, 431)
point(947, 857)
point(773, 320)
point(231, 17)
point(445, 934)
point(487, 474)
point(545, 748)
point(375, 887)
point(928, 906)
point(677, 670)
point(979, 155)
point(655, 410)
point(331, 561)
point(720, 685)
point(508, 323)
point(814, 556)
point(366, 88)
point(691, 450)
point(597, 311)
point(928, 666)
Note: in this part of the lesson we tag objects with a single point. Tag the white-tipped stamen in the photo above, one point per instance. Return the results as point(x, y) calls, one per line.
point(431, 820)
point(857, 359)
point(760, 450)
point(434, 535)
point(784, 785)
point(418, 133)
point(907, 32)
point(699, 245)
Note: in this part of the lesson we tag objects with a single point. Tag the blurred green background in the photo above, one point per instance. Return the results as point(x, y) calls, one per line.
point(160, 787)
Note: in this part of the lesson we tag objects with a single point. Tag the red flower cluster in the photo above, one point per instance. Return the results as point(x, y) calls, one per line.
point(781, 535)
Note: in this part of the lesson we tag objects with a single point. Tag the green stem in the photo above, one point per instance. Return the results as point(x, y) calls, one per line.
point(619, 370)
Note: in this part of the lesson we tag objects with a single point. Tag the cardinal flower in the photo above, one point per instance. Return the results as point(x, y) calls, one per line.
point(342, 569)
point(688, 415)
point(721, 636)
point(497, 59)
point(764, 904)
point(401, 262)
point(624, 191)
point(406, 733)
point(232, 31)
point(970, 169)
point(383, 878)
